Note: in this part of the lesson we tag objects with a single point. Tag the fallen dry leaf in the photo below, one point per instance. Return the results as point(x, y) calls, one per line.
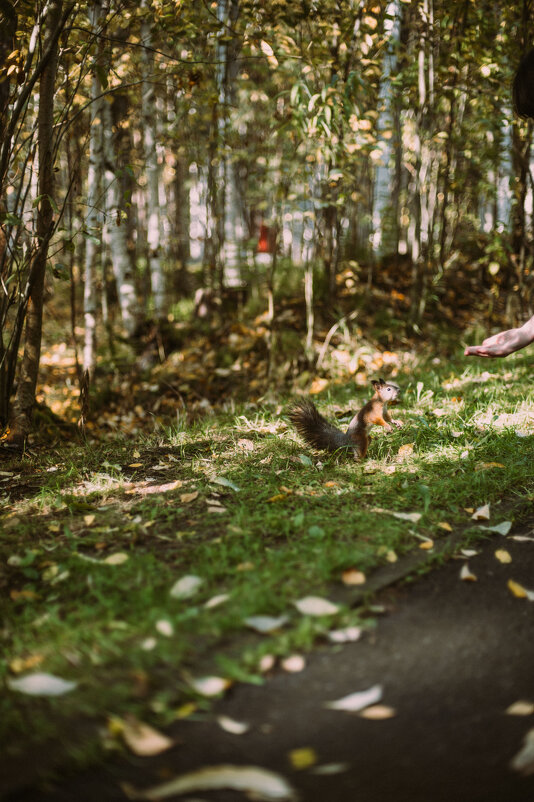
point(41, 684)
point(347, 635)
point(210, 686)
point(328, 769)
point(406, 450)
point(256, 782)
point(413, 517)
point(316, 606)
point(378, 712)
point(118, 558)
point(142, 739)
point(293, 664)
point(216, 600)
point(519, 591)
point(26, 595)
point(469, 552)
point(247, 566)
point(20, 664)
point(186, 710)
point(232, 726)
point(303, 758)
point(165, 628)
point(446, 526)
point(482, 513)
point(355, 702)
point(353, 577)
point(503, 556)
point(187, 498)
point(318, 385)
point(501, 529)
point(266, 624)
point(185, 587)
point(486, 466)
point(520, 708)
point(426, 544)
point(523, 762)
point(467, 575)
point(266, 663)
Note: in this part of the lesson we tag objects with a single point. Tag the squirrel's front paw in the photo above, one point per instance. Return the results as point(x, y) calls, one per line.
point(398, 423)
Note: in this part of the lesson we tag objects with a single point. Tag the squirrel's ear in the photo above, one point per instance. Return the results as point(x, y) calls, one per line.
point(375, 383)
point(381, 381)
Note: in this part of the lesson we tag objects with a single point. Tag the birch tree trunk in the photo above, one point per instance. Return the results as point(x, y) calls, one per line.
point(115, 229)
point(22, 408)
point(152, 167)
point(93, 218)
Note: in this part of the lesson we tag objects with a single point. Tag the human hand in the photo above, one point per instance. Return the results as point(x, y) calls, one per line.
point(501, 344)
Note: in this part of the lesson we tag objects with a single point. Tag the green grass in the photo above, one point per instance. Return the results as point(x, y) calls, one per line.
point(296, 522)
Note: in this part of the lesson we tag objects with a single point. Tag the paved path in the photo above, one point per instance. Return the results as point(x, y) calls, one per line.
point(451, 656)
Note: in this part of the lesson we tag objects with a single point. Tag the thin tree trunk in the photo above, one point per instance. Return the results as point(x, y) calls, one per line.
point(115, 230)
point(155, 262)
point(21, 411)
point(93, 220)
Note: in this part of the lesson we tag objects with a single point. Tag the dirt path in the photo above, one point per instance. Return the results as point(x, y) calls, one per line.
point(451, 656)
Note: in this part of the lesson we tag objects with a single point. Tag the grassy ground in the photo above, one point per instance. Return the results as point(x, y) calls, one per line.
point(94, 538)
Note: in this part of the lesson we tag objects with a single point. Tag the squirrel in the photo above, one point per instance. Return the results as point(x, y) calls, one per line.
point(321, 434)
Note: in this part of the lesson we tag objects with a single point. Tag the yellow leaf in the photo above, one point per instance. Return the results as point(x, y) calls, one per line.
point(378, 712)
point(353, 577)
point(444, 525)
point(303, 758)
point(187, 498)
point(331, 484)
point(318, 385)
point(26, 595)
point(89, 519)
point(20, 664)
point(278, 497)
point(503, 556)
point(405, 450)
point(485, 466)
point(135, 465)
point(426, 544)
point(186, 710)
point(517, 589)
point(391, 557)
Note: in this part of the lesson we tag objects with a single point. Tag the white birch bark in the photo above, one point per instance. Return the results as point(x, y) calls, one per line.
point(93, 219)
point(152, 167)
point(115, 232)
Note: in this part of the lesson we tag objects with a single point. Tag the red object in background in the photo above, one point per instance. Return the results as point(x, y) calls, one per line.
point(267, 239)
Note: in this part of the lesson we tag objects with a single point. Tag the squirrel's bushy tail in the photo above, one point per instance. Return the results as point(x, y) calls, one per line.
point(315, 429)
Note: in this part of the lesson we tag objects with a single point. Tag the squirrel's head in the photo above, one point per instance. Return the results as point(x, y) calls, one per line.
point(386, 391)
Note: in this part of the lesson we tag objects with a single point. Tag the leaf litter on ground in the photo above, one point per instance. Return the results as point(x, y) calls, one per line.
point(258, 783)
point(354, 702)
point(41, 684)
